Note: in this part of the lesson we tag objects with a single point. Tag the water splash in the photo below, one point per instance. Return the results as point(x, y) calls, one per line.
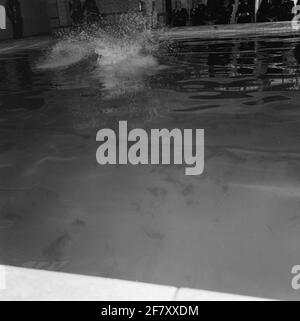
point(125, 51)
point(64, 54)
point(129, 37)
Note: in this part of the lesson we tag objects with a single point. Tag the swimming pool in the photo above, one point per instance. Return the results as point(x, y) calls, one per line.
point(233, 229)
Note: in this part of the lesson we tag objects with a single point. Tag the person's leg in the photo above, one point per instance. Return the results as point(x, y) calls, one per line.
point(20, 29)
point(15, 30)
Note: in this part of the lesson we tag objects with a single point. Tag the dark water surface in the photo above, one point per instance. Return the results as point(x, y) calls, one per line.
point(235, 229)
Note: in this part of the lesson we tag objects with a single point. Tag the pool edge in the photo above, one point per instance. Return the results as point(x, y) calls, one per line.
point(21, 284)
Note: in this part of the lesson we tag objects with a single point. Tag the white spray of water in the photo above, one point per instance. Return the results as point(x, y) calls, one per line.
point(125, 52)
point(129, 39)
point(63, 55)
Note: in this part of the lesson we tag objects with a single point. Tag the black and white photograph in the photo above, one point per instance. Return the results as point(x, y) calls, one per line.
point(149, 153)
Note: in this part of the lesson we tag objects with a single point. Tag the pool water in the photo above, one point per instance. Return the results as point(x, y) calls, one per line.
point(233, 229)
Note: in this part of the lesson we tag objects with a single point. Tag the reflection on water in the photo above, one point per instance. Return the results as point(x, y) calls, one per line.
point(234, 229)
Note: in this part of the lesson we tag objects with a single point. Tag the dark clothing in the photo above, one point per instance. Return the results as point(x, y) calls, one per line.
point(223, 13)
point(198, 15)
point(275, 11)
point(18, 29)
point(180, 17)
point(227, 13)
point(76, 11)
point(264, 11)
point(92, 11)
point(285, 13)
point(267, 12)
point(13, 11)
point(212, 9)
point(244, 13)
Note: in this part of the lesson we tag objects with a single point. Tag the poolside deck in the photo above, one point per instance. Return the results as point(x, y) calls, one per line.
point(34, 285)
point(234, 30)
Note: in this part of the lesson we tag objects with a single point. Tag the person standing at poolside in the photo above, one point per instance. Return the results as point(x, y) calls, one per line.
point(149, 12)
point(154, 15)
point(13, 11)
point(179, 15)
point(285, 12)
point(76, 11)
point(198, 13)
point(92, 11)
point(244, 12)
point(264, 11)
point(228, 8)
